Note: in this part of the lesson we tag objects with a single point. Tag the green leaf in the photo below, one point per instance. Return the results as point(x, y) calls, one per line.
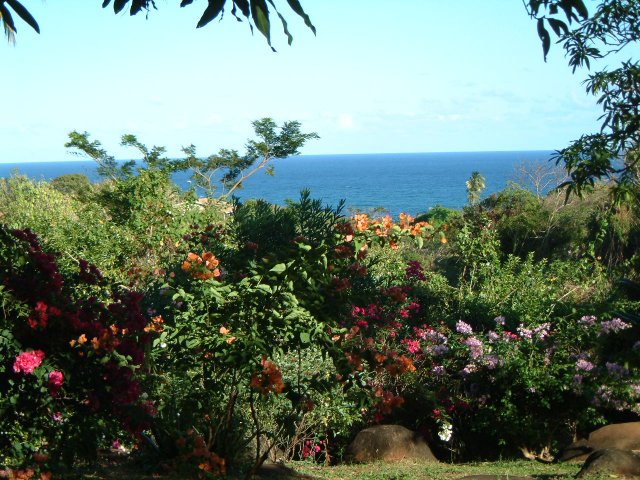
point(285, 27)
point(305, 337)
point(264, 288)
point(559, 27)
point(243, 5)
point(544, 37)
point(279, 268)
point(24, 14)
point(7, 19)
point(211, 12)
point(118, 5)
point(419, 241)
point(296, 7)
point(260, 14)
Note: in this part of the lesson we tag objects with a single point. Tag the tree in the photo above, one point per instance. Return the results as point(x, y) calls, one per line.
point(228, 167)
point(475, 186)
point(612, 153)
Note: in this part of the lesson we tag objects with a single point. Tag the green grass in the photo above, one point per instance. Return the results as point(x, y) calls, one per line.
point(444, 471)
point(379, 471)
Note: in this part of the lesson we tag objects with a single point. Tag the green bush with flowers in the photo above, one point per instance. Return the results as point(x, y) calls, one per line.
point(272, 285)
point(72, 352)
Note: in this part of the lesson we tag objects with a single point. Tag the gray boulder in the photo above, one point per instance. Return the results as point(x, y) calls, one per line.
point(388, 443)
point(621, 436)
point(612, 462)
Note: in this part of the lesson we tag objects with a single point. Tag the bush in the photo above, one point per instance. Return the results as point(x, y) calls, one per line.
point(72, 350)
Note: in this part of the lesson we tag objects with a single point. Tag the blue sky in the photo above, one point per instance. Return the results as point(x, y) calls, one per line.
point(380, 76)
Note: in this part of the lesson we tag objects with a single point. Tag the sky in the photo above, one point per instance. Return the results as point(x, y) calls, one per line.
point(380, 76)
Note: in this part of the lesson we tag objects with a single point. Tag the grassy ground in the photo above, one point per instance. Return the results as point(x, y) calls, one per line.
point(444, 471)
point(376, 471)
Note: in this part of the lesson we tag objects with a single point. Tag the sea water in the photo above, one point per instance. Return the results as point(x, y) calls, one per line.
point(396, 182)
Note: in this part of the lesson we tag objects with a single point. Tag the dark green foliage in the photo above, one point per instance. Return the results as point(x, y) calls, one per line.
point(75, 184)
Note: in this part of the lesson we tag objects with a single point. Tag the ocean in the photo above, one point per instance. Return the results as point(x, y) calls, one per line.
point(397, 182)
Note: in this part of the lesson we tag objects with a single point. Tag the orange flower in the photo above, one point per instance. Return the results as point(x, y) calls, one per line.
point(361, 221)
point(230, 340)
point(443, 240)
point(156, 325)
point(82, 339)
point(72, 343)
point(393, 245)
point(185, 266)
point(269, 380)
point(387, 222)
point(224, 330)
point(405, 220)
point(193, 257)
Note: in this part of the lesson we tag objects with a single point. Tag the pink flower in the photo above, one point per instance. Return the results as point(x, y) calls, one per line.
point(55, 382)
point(55, 379)
point(27, 362)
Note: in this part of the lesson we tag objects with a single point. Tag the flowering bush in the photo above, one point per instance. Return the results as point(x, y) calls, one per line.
point(270, 286)
point(72, 351)
point(524, 380)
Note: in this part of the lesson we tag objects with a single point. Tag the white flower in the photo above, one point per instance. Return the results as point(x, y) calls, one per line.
point(446, 432)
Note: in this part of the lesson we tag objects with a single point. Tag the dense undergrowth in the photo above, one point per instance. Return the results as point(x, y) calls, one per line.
point(135, 317)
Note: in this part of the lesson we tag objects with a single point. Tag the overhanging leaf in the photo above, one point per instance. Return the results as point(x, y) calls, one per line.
point(558, 26)
point(9, 26)
point(284, 24)
point(184, 3)
point(544, 37)
point(296, 7)
point(24, 14)
point(243, 5)
point(260, 14)
point(212, 11)
point(118, 5)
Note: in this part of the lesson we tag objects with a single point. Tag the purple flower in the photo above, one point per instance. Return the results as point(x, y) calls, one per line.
point(588, 320)
point(612, 326)
point(492, 337)
point(475, 347)
point(463, 328)
point(468, 370)
point(438, 370)
point(542, 331)
point(435, 337)
point(602, 396)
point(635, 388)
point(525, 333)
point(616, 370)
point(500, 320)
point(438, 350)
point(584, 365)
point(491, 361)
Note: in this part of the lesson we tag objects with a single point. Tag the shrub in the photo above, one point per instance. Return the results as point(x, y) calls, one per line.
point(72, 351)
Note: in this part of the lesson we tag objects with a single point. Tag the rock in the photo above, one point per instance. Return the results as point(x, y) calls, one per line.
point(622, 436)
point(389, 443)
point(612, 462)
